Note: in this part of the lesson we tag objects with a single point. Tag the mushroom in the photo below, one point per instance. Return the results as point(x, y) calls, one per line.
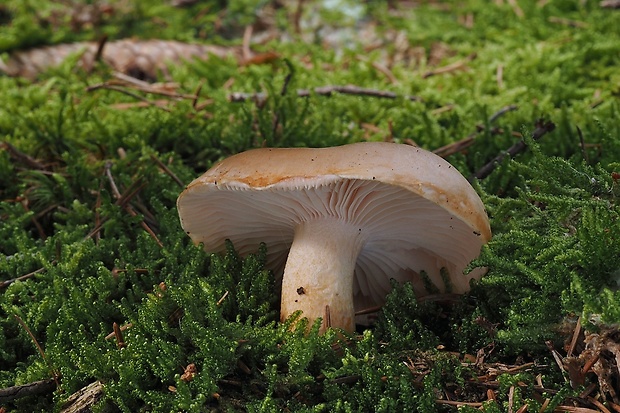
point(340, 222)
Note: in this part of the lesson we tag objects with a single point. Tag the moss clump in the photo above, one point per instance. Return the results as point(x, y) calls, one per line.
point(88, 263)
point(556, 244)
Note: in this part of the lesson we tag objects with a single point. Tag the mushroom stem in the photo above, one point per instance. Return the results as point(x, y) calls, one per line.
point(319, 271)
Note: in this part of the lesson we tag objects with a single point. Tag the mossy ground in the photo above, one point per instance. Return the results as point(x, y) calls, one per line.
point(555, 254)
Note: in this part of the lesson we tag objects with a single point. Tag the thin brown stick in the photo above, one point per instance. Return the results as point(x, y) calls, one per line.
point(469, 140)
point(151, 89)
point(127, 81)
point(499, 76)
point(542, 128)
point(452, 67)
point(379, 67)
point(120, 201)
point(369, 310)
point(573, 342)
point(6, 283)
point(121, 328)
point(21, 157)
point(502, 112)
point(455, 147)
point(100, 46)
point(130, 193)
point(346, 379)
point(118, 334)
point(598, 404)
point(457, 403)
point(221, 300)
point(556, 355)
point(575, 409)
point(34, 340)
point(358, 91)
point(568, 22)
point(243, 367)
point(53, 371)
point(442, 109)
point(126, 92)
point(496, 385)
point(516, 8)
point(519, 368)
point(131, 80)
point(522, 409)
point(588, 390)
point(167, 171)
point(108, 173)
point(125, 199)
point(197, 95)
point(96, 230)
point(591, 362)
point(246, 52)
point(615, 407)
point(326, 91)
point(34, 220)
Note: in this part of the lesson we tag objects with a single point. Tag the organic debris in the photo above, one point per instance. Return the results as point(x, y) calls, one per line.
point(119, 309)
point(142, 59)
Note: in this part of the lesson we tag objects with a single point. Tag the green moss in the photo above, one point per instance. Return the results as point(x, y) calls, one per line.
point(554, 208)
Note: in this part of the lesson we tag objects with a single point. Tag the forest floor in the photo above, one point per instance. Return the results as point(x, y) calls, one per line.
point(109, 108)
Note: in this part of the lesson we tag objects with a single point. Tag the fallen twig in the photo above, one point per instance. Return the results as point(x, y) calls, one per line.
point(163, 89)
point(120, 329)
point(138, 186)
point(222, 298)
point(459, 65)
point(100, 46)
point(326, 91)
point(511, 395)
point(118, 334)
point(127, 92)
point(167, 171)
point(34, 339)
point(21, 157)
point(568, 22)
point(542, 128)
point(575, 409)
point(197, 95)
point(55, 374)
point(6, 283)
point(458, 403)
point(499, 76)
point(574, 339)
point(466, 142)
point(246, 51)
point(516, 8)
point(24, 390)
point(379, 67)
